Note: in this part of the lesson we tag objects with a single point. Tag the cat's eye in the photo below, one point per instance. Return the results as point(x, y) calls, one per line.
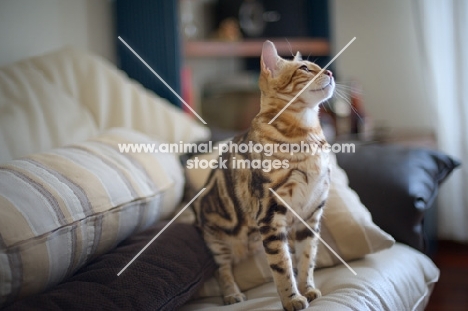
point(305, 68)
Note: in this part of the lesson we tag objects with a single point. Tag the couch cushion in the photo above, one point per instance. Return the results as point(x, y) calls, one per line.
point(398, 278)
point(163, 277)
point(397, 184)
point(60, 209)
point(346, 227)
point(68, 96)
point(37, 115)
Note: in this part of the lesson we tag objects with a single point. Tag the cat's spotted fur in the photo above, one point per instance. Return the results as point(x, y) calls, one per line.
point(239, 215)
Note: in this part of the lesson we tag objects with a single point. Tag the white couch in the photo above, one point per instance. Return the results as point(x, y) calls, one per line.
point(68, 96)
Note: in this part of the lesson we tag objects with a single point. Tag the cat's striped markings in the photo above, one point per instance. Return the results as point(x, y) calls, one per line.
point(315, 233)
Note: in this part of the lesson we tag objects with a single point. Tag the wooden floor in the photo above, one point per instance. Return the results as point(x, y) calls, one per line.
point(451, 292)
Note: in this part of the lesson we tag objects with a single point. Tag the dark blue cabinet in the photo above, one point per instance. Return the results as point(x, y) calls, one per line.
point(150, 27)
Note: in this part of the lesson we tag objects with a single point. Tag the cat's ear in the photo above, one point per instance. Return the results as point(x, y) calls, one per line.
point(269, 60)
point(298, 56)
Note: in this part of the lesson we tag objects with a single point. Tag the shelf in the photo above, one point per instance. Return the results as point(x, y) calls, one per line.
point(253, 48)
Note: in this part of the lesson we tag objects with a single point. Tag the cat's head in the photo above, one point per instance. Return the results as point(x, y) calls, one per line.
point(283, 79)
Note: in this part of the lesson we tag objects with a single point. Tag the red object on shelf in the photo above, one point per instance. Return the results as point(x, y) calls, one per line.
point(357, 113)
point(187, 89)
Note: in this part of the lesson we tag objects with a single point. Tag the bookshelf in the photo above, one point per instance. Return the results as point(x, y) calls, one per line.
point(252, 48)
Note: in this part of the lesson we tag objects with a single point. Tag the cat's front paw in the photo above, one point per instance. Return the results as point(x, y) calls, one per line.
point(312, 294)
point(234, 298)
point(297, 302)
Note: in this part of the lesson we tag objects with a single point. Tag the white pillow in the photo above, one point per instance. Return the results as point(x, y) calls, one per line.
point(68, 96)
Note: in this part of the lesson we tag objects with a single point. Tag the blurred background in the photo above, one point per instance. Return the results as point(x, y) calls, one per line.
point(404, 80)
point(211, 47)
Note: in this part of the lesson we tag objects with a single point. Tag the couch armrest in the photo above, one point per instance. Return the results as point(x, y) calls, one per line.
point(398, 185)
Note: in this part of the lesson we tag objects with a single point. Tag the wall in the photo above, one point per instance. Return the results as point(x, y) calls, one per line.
point(385, 58)
point(33, 27)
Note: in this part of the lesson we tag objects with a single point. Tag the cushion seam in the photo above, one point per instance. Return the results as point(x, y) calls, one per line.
point(112, 210)
point(426, 291)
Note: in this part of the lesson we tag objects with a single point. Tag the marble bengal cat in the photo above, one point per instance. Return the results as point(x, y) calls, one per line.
point(239, 215)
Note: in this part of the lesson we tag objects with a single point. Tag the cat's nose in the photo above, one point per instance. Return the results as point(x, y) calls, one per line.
point(328, 73)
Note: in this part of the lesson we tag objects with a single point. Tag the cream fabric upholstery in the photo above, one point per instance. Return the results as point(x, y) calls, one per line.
point(68, 96)
point(60, 209)
point(346, 227)
point(398, 278)
point(62, 98)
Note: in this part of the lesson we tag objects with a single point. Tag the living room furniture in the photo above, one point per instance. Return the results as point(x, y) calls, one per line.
point(70, 100)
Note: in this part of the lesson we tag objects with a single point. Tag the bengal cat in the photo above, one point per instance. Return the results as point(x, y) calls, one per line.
point(238, 214)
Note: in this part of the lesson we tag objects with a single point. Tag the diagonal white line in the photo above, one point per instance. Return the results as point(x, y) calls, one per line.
point(312, 81)
point(315, 233)
point(162, 80)
point(160, 232)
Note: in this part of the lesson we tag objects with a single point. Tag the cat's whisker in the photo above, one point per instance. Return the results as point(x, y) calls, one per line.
point(348, 88)
point(343, 96)
point(323, 105)
point(340, 95)
point(348, 101)
point(289, 46)
point(327, 101)
point(346, 98)
point(344, 85)
point(356, 113)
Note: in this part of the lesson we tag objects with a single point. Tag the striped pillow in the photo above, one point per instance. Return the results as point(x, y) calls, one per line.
point(60, 209)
